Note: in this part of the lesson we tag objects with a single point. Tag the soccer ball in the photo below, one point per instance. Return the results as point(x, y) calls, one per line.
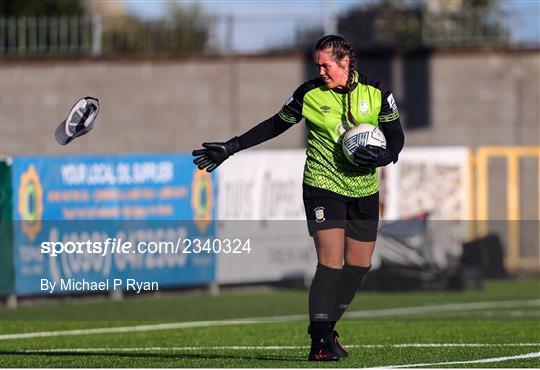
point(362, 135)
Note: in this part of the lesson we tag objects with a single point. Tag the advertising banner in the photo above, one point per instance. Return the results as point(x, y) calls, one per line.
point(436, 182)
point(111, 222)
point(260, 201)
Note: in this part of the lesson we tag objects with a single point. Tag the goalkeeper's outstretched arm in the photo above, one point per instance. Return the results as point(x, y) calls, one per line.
point(216, 153)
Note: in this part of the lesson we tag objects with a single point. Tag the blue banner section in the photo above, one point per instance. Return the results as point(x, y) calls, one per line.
point(111, 220)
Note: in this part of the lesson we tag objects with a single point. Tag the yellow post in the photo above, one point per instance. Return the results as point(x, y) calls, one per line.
point(471, 198)
point(481, 192)
point(512, 212)
point(512, 155)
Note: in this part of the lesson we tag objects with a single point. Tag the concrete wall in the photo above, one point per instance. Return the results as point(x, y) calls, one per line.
point(483, 98)
point(146, 105)
point(476, 97)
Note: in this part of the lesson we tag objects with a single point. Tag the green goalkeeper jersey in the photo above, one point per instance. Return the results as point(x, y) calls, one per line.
point(325, 111)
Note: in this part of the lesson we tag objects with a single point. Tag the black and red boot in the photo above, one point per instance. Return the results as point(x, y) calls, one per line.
point(336, 347)
point(321, 350)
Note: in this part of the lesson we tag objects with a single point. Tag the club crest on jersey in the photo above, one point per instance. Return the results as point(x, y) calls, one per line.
point(325, 109)
point(364, 107)
point(319, 214)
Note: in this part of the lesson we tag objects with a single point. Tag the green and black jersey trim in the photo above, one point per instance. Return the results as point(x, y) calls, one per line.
point(389, 117)
point(291, 112)
point(326, 166)
point(287, 118)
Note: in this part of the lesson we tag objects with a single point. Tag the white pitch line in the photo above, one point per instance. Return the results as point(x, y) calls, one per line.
point(258, 320)
point(496, 313)
point(443, 308)
point(243, 348)
point(481, 361)
point(127, 329)
point(442, 345)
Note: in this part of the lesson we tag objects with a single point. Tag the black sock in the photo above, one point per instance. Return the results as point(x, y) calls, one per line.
point(332, 325)
point(349, 281)
point(322, 295)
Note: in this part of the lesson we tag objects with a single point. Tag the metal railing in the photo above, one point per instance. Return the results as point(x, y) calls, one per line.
point(50, 35)
point(473, 28)
point(253, 34)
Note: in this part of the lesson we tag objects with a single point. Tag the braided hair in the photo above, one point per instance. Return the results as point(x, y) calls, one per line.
point(341, 48)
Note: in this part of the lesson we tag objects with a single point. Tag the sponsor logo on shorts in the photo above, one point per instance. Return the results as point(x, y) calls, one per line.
point(321, 316)
point(319, 214)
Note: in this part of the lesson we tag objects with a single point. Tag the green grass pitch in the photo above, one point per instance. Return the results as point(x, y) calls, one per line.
point(495, 327)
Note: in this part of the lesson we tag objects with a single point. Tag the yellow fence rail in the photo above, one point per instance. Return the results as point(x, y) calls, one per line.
point(513, 155)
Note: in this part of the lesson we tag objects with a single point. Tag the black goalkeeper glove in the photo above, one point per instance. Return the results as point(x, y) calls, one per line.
point(372, 156)
point(215, 154)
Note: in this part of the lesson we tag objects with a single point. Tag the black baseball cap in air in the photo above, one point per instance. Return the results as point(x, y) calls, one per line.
point(79, 121)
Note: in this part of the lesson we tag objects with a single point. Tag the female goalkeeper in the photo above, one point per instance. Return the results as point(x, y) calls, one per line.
point(341, 199)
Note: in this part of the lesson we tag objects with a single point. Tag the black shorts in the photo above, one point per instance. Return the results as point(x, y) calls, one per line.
point(328, 210)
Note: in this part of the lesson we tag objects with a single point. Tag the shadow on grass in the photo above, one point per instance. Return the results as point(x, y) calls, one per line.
point(193, 356)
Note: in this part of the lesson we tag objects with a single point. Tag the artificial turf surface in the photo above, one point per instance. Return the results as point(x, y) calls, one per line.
point(458, 326)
